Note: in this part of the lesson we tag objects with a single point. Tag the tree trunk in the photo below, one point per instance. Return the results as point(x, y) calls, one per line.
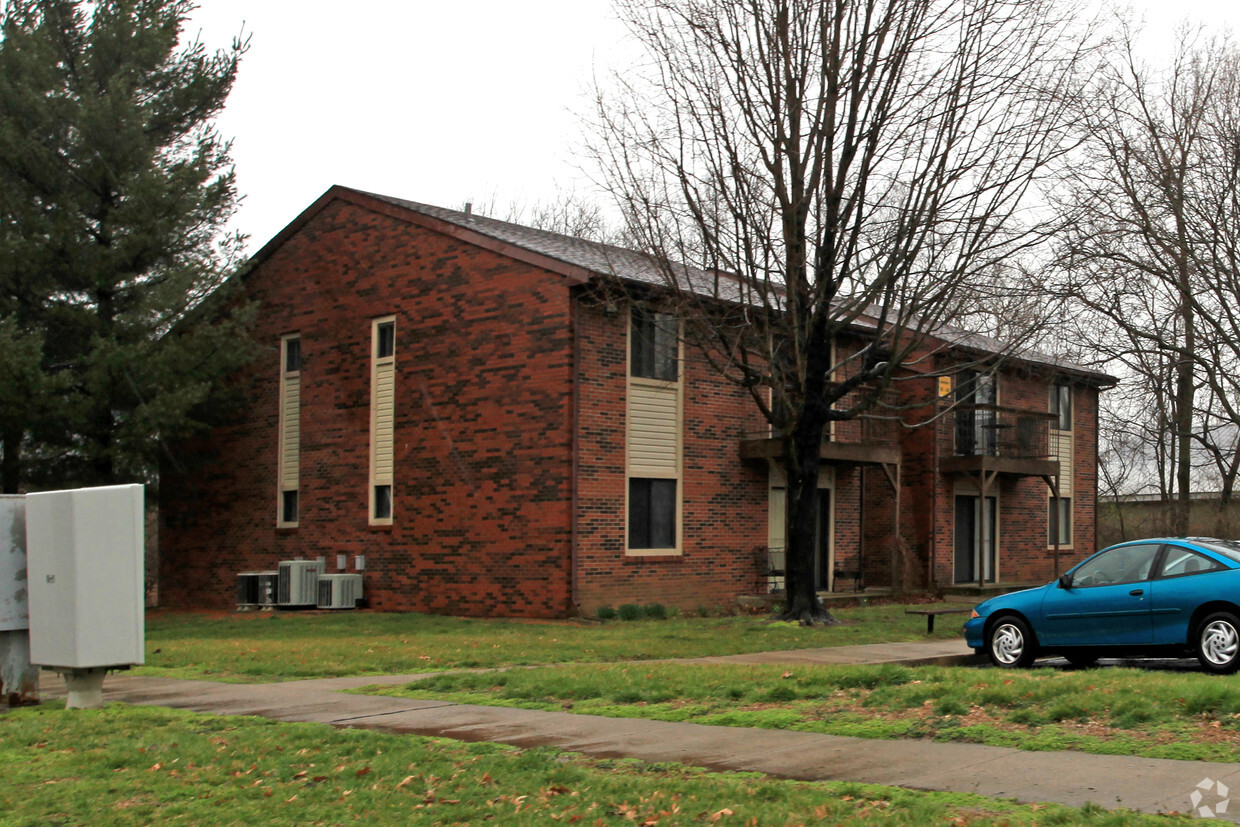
point(1184, 393)
point(11, 462)
point(802, 487)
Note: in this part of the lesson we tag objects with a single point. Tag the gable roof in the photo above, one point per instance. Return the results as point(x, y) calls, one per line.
point(580, 260)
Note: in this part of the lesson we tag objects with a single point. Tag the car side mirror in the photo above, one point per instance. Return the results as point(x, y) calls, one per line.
point(1065, 580)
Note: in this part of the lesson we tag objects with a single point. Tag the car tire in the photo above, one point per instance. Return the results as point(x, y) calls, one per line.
point(1081, 660)
point(1010, 643)
point(1217, 643)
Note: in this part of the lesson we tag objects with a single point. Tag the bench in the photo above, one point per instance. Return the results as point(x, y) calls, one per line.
point(931, 614)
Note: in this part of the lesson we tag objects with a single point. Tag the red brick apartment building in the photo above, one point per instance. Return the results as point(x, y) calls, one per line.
point(446, 403)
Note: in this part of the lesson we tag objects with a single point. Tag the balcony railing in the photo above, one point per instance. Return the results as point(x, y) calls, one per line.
point(993, 431)
point(861, 441)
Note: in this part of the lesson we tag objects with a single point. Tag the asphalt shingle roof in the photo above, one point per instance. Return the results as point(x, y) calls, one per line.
point(630, 265)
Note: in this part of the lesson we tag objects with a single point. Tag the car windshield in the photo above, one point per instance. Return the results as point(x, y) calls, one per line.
point(1228, 548)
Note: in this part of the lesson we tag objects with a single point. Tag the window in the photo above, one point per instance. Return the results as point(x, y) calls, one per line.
point(1126, 564)
point(1180, 561)
point(652, 513)
point(382, 418)
point(288, 449)
point(1060, 521)
point(1061, 407)
point(653, 345)
point(292, 355)
point(288, 507)
point(382, 502)
point(385, 340)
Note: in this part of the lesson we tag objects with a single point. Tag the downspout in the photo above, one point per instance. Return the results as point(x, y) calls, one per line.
point(574, 601)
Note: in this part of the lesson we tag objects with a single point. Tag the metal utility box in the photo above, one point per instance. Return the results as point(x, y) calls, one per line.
point(86, 586)
point(14, 614)
point(339, 591)
point(257, 589)
point(299, 582)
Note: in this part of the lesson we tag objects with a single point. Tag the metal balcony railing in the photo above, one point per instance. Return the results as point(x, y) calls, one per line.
point(993, 431)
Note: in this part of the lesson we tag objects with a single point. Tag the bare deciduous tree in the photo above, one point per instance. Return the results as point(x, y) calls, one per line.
point(801, 168)
point(1152, 254)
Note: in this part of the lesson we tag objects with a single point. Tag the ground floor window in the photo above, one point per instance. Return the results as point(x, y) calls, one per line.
point(288, 506)
point(652, 513)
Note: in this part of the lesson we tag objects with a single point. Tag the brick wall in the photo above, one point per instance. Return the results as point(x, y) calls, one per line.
point(487, 351)
point(482, 434)
point(1023, 553)
point(724, 506)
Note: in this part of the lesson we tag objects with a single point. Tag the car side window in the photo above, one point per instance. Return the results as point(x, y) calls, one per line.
point(1181, 561)
point(1126, 564)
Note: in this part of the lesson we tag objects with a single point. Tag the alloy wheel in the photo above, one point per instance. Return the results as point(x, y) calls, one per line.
point(1008, 643)
point(1220, 642)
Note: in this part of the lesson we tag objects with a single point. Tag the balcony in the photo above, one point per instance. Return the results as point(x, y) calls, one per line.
point(862, 441)
point(989, 438)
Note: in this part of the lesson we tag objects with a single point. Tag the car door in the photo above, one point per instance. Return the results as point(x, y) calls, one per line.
point(1186, 579)
point(1107, 603)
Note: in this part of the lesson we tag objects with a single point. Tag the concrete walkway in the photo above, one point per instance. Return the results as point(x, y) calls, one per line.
point(1149, 785)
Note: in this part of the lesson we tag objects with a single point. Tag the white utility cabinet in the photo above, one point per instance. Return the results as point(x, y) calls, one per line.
point(14, 615)
point(85, 566)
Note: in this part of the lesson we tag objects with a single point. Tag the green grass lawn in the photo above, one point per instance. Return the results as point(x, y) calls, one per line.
point(141, 766)
point(275, 646)
point(1120, 711)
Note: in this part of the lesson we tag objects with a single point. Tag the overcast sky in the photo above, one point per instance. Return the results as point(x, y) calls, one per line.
point(436, 102)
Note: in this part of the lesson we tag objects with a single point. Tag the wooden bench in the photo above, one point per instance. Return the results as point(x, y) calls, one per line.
point(931, 614)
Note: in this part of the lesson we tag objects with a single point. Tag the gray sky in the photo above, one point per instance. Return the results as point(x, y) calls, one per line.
point(437, 102)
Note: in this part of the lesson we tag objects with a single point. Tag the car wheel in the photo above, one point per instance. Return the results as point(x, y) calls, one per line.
point(1218, 643)
point(1081, 660)
point(1010, 644)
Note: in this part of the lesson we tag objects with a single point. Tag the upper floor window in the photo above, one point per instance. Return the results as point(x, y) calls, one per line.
point(1061, 406)
point(385, 340)
point(292, 354)
point(653, 344)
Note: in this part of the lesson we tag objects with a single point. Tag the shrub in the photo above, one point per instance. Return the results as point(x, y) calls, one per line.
point(655, 611)
point(630, 611)
point(605, 613)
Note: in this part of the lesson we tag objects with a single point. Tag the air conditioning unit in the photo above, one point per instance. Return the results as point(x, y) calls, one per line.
point(257, 589)
point(339, 591)
point(299, 582)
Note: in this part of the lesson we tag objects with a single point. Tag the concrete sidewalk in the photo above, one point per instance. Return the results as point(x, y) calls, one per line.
point(1149, 785)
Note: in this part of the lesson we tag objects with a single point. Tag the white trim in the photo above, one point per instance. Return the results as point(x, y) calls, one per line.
point(382, 421)
point(673, 467)
point(288, 433)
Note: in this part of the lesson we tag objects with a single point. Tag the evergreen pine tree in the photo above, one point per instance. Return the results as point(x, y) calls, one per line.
point(115, 193)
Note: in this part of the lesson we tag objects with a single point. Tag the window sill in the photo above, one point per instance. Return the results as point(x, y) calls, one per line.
point(653, 552)
point(379, 527)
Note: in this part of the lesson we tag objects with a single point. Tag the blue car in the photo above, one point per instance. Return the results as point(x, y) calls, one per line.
point(1167, 597)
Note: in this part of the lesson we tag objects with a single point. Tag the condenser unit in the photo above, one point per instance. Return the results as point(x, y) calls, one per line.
point(257, 589)
point(339, 591)
point(299, 582)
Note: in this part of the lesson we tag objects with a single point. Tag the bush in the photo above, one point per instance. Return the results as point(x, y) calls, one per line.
point(655, 611)
point(630, 611)
point(605, 613)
